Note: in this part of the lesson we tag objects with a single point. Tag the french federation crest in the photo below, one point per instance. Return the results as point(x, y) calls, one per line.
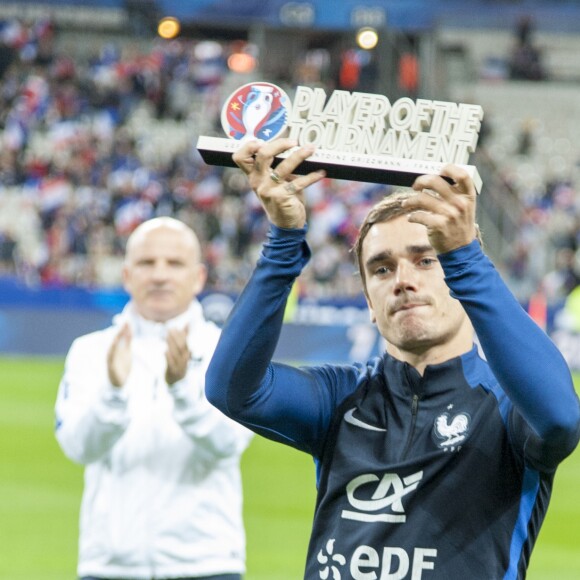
point(450, 432)
point(256, 111)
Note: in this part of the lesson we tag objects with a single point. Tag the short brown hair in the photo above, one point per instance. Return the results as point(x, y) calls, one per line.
point(386, 209)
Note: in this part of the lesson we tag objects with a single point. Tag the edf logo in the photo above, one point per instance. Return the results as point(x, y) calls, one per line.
point(366, 563)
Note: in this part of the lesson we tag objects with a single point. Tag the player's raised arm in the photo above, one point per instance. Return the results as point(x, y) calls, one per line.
point(528, 365)
point(278, 401)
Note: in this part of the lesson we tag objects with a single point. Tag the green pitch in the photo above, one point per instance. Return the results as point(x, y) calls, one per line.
point(40, 494)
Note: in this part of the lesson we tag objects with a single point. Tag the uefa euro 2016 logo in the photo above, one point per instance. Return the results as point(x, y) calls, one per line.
point(256, 111)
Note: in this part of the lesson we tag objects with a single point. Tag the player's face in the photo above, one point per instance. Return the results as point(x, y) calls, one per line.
point(162, 274)
point(406, 292)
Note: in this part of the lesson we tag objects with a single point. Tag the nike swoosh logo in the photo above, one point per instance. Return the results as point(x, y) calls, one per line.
point(350, 418)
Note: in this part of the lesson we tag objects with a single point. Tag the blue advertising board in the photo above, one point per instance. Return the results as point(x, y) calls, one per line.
point(45, 321)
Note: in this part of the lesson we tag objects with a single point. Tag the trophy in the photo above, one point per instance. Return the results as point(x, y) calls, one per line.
point(357, 136)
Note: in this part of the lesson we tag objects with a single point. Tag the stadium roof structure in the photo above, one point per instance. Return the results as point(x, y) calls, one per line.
point(557, 15)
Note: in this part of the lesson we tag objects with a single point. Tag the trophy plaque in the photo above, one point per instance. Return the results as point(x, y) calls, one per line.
point(358, 136)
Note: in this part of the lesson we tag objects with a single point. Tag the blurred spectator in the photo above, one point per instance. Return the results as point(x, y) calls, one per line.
point(525, 62)
point(559, 282)
point(7, 253)
point(569, 317)
point(409, 73)
point(526, 137)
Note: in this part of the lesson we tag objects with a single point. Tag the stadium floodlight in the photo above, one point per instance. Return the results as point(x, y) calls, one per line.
point(241, 62)
point(367, 38)
point(168, 27)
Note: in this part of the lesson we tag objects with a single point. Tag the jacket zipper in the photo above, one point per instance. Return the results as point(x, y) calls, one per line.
point(414, 409)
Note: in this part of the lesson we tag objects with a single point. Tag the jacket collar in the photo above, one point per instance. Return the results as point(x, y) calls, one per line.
point(143, 327)
point(437, 378)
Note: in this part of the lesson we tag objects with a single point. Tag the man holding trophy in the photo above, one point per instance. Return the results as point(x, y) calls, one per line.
point(436, 459)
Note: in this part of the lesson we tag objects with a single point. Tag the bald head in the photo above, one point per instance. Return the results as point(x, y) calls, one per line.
point(169, 223)
point(163, 270)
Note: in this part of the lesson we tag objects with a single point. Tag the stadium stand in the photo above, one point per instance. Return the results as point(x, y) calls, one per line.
point(94, 143)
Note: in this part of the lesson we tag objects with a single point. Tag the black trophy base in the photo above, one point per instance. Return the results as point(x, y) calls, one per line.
point(339, 165)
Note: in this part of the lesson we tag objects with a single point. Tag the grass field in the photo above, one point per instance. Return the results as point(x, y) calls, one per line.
point(40, 494)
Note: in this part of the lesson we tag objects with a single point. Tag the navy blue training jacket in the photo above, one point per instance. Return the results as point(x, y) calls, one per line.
point(442, 476)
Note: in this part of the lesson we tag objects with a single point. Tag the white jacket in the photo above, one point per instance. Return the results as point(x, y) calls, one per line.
point(162, 495)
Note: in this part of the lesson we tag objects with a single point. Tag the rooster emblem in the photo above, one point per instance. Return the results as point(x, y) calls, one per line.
point(451, 432)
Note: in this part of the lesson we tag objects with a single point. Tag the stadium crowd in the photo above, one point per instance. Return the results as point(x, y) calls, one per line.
point(90, 148)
